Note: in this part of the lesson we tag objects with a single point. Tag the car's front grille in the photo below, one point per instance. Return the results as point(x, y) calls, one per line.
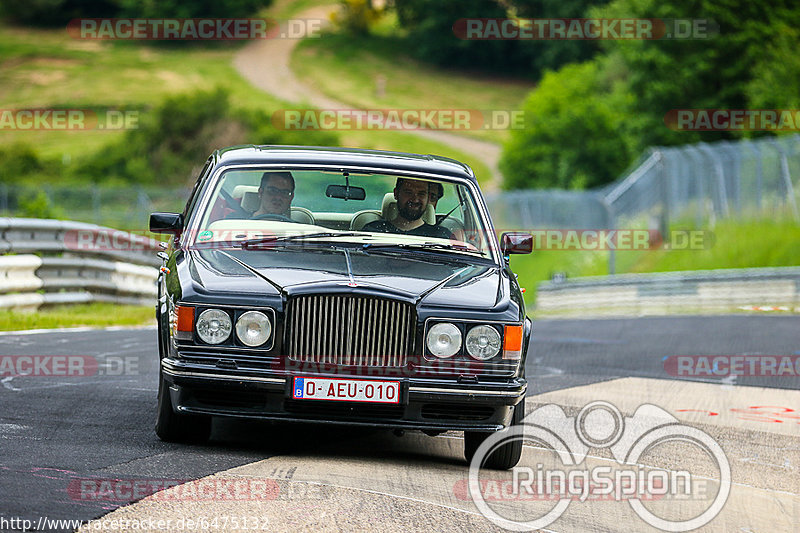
point(349, 330)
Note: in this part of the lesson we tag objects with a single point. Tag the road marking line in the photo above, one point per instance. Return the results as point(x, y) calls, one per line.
point(82, 329)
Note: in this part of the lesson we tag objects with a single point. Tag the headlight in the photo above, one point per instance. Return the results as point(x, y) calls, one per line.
point(214, 326)
point(253, 328)
point(444, 340)
point(483, 342)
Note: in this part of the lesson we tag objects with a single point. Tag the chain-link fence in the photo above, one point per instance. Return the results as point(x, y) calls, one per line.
point(116, 207)
point(700, 183)
point(705, 182)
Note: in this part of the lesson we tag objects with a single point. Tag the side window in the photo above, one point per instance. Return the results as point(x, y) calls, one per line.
point(193, 196)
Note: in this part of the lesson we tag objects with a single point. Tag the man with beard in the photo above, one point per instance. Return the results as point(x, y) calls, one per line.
point(412, 199)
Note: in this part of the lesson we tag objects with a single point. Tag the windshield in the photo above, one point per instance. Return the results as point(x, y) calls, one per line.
point(255, 206)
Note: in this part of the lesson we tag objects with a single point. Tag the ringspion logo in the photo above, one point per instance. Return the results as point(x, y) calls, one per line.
point(628, 439)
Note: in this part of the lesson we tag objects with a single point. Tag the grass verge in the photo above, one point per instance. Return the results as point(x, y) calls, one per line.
point(732, 244)
point(46, 68)
point(66, 316)
point(350, 69)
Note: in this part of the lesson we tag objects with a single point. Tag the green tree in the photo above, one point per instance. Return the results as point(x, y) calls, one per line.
point(775, 79)
point(713, 72)
point(571, 137)
point(544, 55)
point(430, 36)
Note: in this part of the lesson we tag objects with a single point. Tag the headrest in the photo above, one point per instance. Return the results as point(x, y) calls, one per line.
point(302, 215)
point(389, 210)
point(239, 190)
point(250, 200)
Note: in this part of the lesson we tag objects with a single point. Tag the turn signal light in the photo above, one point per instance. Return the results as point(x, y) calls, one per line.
point(184, 323)
point(512, 343)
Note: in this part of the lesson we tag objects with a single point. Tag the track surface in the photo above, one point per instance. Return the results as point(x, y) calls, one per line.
point(54, 432)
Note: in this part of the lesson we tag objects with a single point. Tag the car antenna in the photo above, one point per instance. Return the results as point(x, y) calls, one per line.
point(346, 185)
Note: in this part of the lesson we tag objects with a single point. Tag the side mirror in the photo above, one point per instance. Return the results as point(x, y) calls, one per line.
point(516, 242)
point(166, 223)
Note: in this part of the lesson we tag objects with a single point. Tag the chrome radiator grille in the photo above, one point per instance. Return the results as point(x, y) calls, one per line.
point(349, 330)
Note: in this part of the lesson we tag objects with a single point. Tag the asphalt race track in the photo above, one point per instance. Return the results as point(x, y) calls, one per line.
point(80, 447)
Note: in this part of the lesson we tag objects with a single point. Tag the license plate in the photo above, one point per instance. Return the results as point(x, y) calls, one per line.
point(348, 390)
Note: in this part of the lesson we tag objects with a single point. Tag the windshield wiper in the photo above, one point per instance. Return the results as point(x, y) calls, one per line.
point(249, 243)
point(421, 246)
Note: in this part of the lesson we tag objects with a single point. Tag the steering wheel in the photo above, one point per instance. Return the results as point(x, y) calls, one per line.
point(272, 216)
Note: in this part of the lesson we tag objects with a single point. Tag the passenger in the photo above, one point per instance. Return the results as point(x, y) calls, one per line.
point(437, 191)
point(412, 200)
point(275, 194)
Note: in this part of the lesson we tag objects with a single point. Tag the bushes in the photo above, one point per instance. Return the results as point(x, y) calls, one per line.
point(59, 12)
point(356, 16)
point(174, 139)
point(572, 136)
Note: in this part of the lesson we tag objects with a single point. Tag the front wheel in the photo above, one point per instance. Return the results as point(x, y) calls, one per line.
point(173, 427)
point(504, 456)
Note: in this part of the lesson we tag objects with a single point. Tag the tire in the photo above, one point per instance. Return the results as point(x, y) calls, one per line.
point(504, 456)
point(172, 427)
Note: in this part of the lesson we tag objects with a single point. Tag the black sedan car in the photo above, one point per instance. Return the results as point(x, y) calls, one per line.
point(340, 286)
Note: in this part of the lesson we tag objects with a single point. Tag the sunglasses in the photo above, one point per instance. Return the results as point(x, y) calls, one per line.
point(275, 191)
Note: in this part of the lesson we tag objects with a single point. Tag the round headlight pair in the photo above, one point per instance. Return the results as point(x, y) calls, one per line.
point(482, 342)
point(214, 327)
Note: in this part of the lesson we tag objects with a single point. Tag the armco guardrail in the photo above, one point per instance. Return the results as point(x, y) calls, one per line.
point(670, 292)
point(65, 262)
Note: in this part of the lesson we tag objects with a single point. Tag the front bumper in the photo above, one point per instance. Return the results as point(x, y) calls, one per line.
point(425, 404)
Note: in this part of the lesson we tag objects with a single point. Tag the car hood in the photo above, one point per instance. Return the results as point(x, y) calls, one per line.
point(437, 280)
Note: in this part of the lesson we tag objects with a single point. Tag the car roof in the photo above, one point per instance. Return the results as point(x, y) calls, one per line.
point(346, 157)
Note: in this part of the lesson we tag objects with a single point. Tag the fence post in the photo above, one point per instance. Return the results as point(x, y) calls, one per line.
point(787, 179)
point(719, 171)
point(665, 192)
point(611, 224)
point(759, 161)
point(95, 205)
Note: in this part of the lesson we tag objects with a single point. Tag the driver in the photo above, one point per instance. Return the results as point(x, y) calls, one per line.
point(275, 194)
point(412, 199)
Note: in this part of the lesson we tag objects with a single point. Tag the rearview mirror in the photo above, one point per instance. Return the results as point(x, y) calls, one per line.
point(166, 223)
point(345, 192)
point(516, 242)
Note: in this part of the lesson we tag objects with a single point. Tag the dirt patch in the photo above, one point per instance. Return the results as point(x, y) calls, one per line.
point(50, 62)
point(266, 65)
point(87, 46)
point(46, 78)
